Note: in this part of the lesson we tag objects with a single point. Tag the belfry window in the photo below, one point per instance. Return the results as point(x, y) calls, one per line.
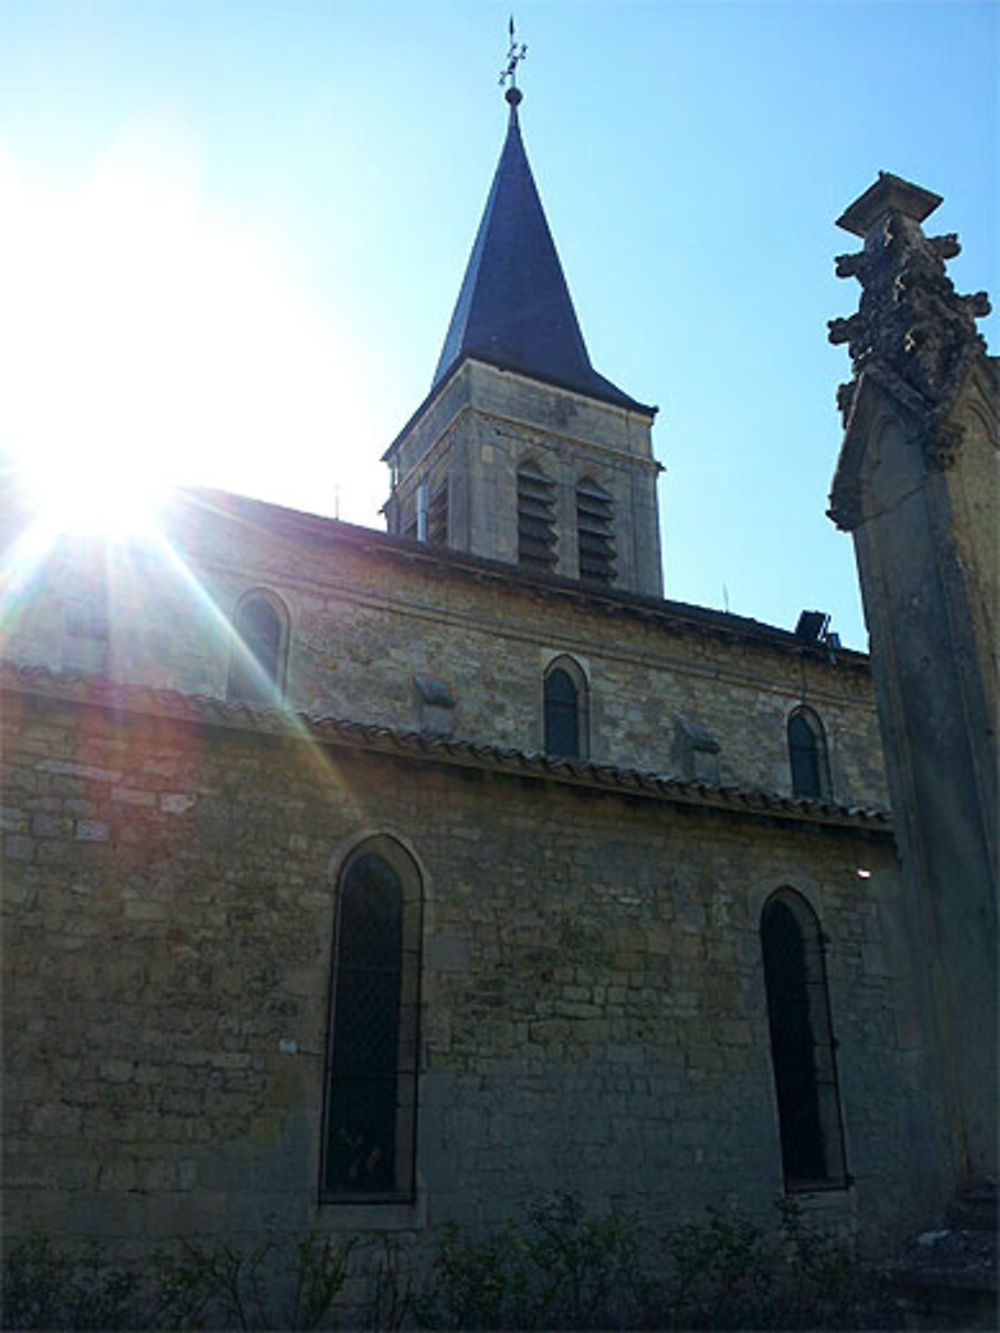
point(595, 533)
point(807, 754)
point(257, 666)
point(371, 1084)
point(437, 517)
point(803, 1050)
point(565, 710)
point(536, 533)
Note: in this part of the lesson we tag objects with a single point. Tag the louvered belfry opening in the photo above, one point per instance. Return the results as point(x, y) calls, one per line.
point(536, 530)
point(595, 532)
point(437, 517)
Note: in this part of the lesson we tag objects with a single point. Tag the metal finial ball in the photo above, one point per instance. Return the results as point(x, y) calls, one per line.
point(513, 96)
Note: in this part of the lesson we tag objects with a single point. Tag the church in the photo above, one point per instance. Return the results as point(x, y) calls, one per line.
point(359, 882)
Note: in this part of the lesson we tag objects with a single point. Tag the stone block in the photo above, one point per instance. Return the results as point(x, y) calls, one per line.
point(18, 847)
point(91, 830)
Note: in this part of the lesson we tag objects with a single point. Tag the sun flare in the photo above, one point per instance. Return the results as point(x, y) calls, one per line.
point(149, 341)
point(96, 495)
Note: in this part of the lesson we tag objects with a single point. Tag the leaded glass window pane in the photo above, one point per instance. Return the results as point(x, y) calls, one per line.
point(371, 1092)
point(804, 757)
point(792, 1044)
point(257, 655)
point(562, 715)
point(802, 1045)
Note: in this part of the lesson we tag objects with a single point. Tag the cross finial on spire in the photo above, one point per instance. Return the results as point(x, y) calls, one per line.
point(516, 53)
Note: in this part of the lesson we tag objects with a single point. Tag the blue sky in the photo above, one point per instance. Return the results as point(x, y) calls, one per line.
point(235, 232)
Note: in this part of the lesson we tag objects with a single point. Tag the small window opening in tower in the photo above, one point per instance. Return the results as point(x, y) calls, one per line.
point(536, 535)
point(595, 532)
point(437, 517)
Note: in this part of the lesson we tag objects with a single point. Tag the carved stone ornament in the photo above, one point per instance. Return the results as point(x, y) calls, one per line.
point(911, 328)
point(943, 443)
point(846, 509)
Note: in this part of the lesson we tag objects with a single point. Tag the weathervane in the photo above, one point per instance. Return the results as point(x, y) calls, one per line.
point(517, 52)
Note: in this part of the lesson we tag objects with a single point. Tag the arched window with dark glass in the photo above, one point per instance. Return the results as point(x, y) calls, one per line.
point(260, 635)
point(803, 1050)
point(371, 1083)
point(565, 710)
point(807, 754)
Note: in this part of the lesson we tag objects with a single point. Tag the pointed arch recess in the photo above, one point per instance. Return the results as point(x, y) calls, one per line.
point(808, 760)
point(566, 709)
point(803, 1048)
point(259, 659)
point(368, 1150)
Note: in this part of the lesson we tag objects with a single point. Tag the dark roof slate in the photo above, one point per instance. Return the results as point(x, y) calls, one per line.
point(514, 309)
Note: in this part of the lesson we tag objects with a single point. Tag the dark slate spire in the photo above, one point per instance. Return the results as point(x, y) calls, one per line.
point(514, 309)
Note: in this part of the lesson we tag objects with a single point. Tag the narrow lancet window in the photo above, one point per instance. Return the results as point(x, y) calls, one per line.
point(536, 532)
point(371, 1091)
point(802, 1045)
point(807, 754)
point(565, 708)
point(257, 666)
point(595, 533)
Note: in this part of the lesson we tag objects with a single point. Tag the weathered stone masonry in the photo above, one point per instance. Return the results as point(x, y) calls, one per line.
point(592, 998)
point(367, 613)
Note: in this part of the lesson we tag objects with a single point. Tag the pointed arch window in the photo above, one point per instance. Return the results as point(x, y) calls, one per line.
point(536, 529)
point(595, 532)
point(803, 1049)
point(256, 672)
point(807, 755)
point(565, 709)
point(370, 1114)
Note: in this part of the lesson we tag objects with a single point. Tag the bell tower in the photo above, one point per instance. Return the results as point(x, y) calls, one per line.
point(522, 452)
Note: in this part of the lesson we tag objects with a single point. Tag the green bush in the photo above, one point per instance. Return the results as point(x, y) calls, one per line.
point(45, 1288)
point(556, 1267)
point(276, 1285)
point(560, 1268)
point(733, 1273)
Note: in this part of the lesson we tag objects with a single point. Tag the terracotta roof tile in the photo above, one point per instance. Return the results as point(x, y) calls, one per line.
point(328, 729)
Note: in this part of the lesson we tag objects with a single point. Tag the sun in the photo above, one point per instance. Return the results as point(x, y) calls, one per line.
point(92, 493)
point(149, 338)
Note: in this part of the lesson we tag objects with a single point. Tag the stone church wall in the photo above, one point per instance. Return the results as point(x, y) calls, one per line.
point(592, 998)
point(365, 615)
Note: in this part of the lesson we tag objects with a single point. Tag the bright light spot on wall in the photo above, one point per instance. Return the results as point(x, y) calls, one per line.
point(863, 874)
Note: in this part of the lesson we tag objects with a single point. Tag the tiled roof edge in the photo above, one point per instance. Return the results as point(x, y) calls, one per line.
point(101, 692)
